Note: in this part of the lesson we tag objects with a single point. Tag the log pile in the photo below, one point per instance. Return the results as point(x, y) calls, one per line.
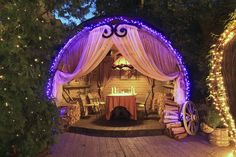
point(174, 127)
point(69, 114)
point(158, 104)
point(73, 114)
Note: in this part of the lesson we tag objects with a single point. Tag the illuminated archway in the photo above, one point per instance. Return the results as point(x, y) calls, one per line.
point(114, 23)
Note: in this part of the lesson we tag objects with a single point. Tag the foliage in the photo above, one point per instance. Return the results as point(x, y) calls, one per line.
point(189, 25)
point(71, 10)
point(213, 118)
point(29, 35)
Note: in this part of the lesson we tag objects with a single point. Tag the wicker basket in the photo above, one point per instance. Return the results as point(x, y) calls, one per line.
point(219, 137)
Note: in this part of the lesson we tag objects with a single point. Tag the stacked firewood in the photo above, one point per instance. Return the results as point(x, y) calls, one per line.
point(174, 127)
point(158, 104)
point(73, 114)
point(70, 114)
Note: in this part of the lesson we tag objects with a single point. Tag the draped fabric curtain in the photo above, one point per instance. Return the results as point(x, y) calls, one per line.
point(165, 61)
point(151, 83)
point(144, 52)
point(159, 54)
point(150, 57)
point(73, 54)
point(93, 53)
point(133, 50)
point(104, 73)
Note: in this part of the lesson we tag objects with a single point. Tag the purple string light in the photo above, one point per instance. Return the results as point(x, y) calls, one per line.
point(125, 21)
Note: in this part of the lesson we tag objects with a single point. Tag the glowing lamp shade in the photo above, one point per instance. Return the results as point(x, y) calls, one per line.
point(122, 64)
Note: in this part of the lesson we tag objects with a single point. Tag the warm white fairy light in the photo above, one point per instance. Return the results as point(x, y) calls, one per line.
point(216, 80)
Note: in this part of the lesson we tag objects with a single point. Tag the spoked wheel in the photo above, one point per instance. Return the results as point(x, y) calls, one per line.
point(190, 118)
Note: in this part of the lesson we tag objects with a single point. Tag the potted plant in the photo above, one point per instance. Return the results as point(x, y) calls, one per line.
point(218, 134)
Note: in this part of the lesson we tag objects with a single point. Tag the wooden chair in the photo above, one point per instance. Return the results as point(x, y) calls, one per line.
point(98, 99)
point(68, 99)
point(99, 106)
point(141, 106)
point(85, 105)
point(94, 101)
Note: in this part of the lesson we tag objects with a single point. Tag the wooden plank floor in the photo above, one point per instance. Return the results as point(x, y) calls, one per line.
point(77, 145)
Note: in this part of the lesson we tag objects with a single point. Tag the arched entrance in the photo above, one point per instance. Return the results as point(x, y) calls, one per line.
point(147, 50)
point(134, 39)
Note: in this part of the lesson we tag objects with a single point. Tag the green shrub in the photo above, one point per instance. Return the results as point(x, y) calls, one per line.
point(213, 118)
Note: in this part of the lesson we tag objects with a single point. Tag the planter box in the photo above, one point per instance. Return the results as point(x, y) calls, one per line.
point(219, 137)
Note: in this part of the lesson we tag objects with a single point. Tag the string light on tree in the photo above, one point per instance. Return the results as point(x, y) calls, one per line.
point(216, 80)
point(20, 94)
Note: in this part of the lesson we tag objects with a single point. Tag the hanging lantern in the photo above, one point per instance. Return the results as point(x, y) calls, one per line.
point(122, 64)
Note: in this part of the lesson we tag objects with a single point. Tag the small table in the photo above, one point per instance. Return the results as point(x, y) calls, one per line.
point(127, 101)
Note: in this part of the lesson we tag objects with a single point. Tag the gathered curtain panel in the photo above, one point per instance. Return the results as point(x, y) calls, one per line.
point(72, 54)
point(104, 73)
point(143, 51)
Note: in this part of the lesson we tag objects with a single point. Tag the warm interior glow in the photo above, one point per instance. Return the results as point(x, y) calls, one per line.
point(122, 64)
point(123, 20)
point(116, 92)
point(121, 61)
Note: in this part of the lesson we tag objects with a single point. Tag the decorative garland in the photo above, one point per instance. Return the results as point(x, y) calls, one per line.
point(216, 80)
point(124, 20)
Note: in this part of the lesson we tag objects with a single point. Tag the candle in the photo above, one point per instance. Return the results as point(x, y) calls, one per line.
point(112, 90)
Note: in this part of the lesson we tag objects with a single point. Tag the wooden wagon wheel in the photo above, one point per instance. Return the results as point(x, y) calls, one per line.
point(190, 117)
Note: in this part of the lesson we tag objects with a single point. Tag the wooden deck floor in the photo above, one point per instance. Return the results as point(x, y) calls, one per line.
point(77, 145)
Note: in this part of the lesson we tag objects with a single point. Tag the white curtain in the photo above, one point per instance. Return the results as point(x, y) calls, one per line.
point(93, 53)
point(147, 54)
point(155, 61)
